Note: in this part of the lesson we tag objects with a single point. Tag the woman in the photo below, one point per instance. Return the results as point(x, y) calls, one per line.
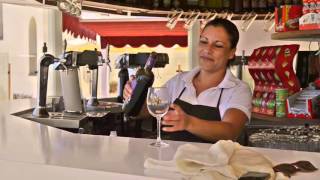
point(209, 103)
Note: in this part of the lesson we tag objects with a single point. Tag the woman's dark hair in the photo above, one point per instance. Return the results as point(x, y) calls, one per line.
point(229, 27)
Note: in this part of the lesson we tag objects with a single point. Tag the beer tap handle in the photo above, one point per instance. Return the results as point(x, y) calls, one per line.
point(62, 61)
point(108, 57)
point(44, 48)
point(65, 43)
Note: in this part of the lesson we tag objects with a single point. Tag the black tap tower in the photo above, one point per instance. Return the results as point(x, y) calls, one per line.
point(45, 62)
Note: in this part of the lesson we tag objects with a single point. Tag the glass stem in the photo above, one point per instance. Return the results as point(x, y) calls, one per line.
point(158, 129)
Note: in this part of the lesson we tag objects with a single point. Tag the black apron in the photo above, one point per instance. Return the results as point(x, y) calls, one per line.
point(200, 111)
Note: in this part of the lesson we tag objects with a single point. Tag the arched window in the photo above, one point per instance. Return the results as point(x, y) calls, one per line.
point(32, 47)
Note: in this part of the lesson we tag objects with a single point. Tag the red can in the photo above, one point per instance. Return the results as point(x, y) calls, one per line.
point(312, 6)
point(318, 6)
point(306, 8)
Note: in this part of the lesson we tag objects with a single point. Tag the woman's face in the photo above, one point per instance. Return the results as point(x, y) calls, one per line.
point(214, 49)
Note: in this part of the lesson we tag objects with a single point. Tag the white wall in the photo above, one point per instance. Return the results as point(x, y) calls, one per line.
point(256, 37)
point(15, 43)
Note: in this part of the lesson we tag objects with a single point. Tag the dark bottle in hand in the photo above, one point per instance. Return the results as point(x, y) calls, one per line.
point(144, 79)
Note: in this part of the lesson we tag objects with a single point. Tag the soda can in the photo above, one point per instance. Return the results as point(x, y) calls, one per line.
point(318, 6)
point(281, 94)
point(280, 109)
point(271, 104)
point(306, 7)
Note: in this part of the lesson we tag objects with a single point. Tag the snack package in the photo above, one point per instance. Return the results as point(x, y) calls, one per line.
point(271, 68)
point(287, 18)
point(309, 21)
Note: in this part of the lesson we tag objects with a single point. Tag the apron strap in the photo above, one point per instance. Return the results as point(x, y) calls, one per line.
point(181, 93)
point(218, 104)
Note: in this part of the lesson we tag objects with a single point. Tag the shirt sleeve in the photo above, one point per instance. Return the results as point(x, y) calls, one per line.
point(240, 99)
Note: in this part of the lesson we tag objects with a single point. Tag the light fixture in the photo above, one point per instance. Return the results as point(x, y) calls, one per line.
point(72, 7)
point(63, 5)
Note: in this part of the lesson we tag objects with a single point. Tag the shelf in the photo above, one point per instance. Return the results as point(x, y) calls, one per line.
point(114, 7)
point(305, 35)
point(260, 120)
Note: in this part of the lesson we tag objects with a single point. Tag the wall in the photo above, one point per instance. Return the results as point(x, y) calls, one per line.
point(15, 44)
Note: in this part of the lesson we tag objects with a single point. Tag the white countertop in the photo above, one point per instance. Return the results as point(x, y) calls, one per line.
point(40, 151)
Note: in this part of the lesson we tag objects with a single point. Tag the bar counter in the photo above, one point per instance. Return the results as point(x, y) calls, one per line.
point(29, 150)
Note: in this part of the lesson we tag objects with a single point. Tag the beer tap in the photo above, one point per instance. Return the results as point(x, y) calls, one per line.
point(93, 101)
point(45, 61)
point(68, 65)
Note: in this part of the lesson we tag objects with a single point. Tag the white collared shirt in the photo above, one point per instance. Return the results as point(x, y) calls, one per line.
point(236, 93)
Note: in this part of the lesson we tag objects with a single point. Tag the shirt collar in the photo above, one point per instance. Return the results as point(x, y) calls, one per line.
point(228, 81)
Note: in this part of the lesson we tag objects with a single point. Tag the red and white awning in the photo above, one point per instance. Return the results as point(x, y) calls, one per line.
point(133, 33)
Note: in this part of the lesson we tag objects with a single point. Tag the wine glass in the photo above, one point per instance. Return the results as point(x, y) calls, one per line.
point(158, 105)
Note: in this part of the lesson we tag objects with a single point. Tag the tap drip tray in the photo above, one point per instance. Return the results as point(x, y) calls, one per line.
point(96, 114)
point(62, 115)
point(105, 106)
point(56, 119)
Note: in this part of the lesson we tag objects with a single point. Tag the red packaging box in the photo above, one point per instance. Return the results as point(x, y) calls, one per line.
point(287, 18)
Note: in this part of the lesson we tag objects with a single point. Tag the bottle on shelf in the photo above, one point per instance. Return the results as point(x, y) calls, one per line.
point(263, 5)
point(255, 5)
point(246, 5)
point(271, 5)
point(130, 2)
point(287, 2)
point(215, 4)
point(238, 6)
point(201, 4)
point(227, 5)
point(296, 2)
point(166, 3)
point(192, 4)
point(156, 4)
point(179, 3)
point(279, 3)
point(147, 3)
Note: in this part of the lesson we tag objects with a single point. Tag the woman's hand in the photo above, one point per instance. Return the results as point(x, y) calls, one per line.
point(176, 118)
point(127, 92)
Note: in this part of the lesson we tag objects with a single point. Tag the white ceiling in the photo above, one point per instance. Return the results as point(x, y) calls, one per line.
point(87, 15)
point(97, 16)
point(32, 3)
point(21, 2)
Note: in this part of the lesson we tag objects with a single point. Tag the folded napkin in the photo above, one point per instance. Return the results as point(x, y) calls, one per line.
point(223, 160)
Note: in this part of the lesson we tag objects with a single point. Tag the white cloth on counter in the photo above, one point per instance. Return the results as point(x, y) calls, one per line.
point(223, 160)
